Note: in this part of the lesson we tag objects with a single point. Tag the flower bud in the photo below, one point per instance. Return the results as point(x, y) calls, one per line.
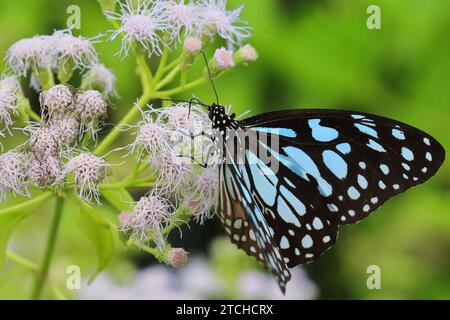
point(44, 142)
point(245, 54)
point(67, 129)
point(91, 107)
point(223, 60)
point(58, 99)
point(178, 257)
point(191, 48)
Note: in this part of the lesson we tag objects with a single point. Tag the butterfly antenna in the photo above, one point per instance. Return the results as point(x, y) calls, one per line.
point(210, 77)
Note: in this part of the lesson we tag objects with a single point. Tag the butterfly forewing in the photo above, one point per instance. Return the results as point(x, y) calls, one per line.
point(353, 162)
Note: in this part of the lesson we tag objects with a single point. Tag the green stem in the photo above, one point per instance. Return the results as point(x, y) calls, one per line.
point(21, 261)
point(33, 115)
point(27, 204)
point(172, 64)
point(43, 269)
point(160, 256)
point(144, 72)
point(33, 267)
point(187, 86)
point(180, 217)
point(167, 79)
point(161, 67)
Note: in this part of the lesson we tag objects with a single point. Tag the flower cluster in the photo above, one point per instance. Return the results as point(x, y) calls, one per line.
point(175, 142)
point(49, 156)
point(172, 144)
point(69, 117)
point(61, 53)
point(157, 24)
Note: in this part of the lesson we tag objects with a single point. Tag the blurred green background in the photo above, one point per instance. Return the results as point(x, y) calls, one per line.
point(313, 53)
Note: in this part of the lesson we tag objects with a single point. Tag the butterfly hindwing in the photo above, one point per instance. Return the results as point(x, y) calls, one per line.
point(245, 222)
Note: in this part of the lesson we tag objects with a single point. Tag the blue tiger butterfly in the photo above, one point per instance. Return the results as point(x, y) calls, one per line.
point(333, 168)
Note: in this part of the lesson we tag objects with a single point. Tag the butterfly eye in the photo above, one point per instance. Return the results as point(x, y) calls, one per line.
point(233, 115)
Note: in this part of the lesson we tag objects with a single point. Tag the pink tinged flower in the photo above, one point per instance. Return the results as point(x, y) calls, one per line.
point(224, 58)
point(42, 172)
point(202, 199)
point(227, 24)
point(143, 24)
point(91, 107)
point(183, 17)
point(192, 45)
point(89, 171)
point(149, 217)
point(58, 99)
point(178, 257)
point(71, 51)
point(12, 174)
point(31, 53)
point(101, 78)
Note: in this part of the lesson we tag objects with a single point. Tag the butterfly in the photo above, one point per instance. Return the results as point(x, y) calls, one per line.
point(289, 179)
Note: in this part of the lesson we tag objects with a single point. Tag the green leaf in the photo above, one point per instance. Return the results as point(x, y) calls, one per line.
point(11, 216)
point(120, 199)
point(99, 232)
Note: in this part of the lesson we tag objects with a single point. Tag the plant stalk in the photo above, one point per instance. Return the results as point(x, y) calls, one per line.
point(51, 242)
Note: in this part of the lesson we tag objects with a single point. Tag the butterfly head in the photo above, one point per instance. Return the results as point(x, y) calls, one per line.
point(220, 119)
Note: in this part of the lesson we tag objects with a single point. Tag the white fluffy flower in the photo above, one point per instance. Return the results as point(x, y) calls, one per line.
point(9, 88)
point(12, 174)
point(152, 136)
point(143, 24)
point(149, 217)
point(79, 52)
point(30, 53)
point(183, 17)
point(215, 19)
point(89, 171)
point(202, 199)
point(8, 104)
point(101, 78)
point(173, 172)
point(9, 83)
